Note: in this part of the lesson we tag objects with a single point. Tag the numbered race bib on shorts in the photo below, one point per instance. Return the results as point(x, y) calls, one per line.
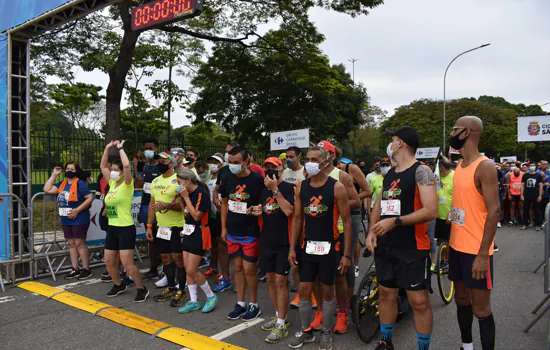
point(317, 248)
point(64, 211)
point(188, 230)
point(391, 207)
point(442, 200)
point(164, 233)
point(147, 187)
point(237, 207)
point(458, 216)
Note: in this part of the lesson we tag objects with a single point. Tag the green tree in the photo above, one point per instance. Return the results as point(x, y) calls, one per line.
point(75, 101)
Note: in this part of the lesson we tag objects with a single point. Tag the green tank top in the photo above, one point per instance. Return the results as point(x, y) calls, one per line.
point(335, 174)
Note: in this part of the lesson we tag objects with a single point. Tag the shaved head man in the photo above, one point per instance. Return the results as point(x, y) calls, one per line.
point(474, 216)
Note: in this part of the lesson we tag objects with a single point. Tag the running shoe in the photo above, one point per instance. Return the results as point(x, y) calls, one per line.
point(356, 271)
point(367, 253)
point(210, 304)
point(237, 312)
point(296, 301)
point(84, 274)
point(325, 340)
point(523, 228)
point(531, 224)
point(301, 338)
point(190, 306)
point(313, 301)
point(495, 248)
point(204, 263)
point(252, 313)
point(499, 225)
point(432, 268)
point(510, 223)
point(166, 295)
point(317, 321)
point(261, 276)
point(128, 281)
point(278, 333)
point(116, 290)
point(536, 229)
point(178, 299)
point(269, 325)
point(223, 284)
point(384, 346)
point(161, 283)
point(106, 279)
point(105, 274)
point(74, 273)
point(151, 274)
point(141, 295)
point(341, 323)
point(211, 273)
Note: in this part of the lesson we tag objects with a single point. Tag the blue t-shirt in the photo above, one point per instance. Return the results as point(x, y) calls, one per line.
point(83, 217)
point(546, 181)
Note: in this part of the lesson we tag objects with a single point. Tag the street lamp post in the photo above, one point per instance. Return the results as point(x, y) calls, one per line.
point(353, 60)
point(444, 91)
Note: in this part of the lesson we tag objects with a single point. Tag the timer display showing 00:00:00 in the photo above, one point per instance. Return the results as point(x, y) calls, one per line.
point(145, 16)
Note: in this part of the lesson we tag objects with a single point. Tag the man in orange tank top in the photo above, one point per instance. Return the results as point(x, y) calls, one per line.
point(514, 178)
point(474, 216)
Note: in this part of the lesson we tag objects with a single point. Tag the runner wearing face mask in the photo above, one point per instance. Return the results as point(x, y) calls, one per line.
point(294, 171)
point(377, 182)
point(376, 171)
point(514, 179)
point(320, 200)
point(531, 194)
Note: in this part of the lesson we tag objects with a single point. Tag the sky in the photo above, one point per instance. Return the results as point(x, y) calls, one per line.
point(403, 47)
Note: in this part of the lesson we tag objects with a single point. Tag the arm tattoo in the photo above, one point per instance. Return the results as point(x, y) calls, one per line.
point(424, 176)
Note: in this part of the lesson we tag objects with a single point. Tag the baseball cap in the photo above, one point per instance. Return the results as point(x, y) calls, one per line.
point(408, 135)
point(165, 155)
point(217, 158)
point(273, 160)
point(175, 151)
point(346, 161)
point(385, 160)
point(327, 146)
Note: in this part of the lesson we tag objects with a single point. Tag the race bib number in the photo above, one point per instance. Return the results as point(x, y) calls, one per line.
point(164, 233)
point(237, 207)
point(516, 186)
point(268, 207)
point(188, 230)
point(147, 187)
point(458, 216)
point(317, 248)
point(391, 207)
point(442, 200)
point(111, 211)
point(64, 211)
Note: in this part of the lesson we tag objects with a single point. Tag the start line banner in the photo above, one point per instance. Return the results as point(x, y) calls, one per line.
point(534, 128)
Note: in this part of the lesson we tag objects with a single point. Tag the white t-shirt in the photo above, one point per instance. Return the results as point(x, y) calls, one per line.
point(211, 187)
point(292, 176)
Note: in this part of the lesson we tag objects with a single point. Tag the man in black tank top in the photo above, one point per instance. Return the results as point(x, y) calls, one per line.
point(320, 200)
point(398, 237)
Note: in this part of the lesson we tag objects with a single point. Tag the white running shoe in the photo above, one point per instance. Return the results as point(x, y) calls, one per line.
point(161, 283)
point(356, 271)
point(499, 225)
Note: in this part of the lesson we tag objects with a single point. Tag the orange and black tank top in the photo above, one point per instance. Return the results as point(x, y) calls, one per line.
point(468, 222)
point(320, 212)
point(402, 187)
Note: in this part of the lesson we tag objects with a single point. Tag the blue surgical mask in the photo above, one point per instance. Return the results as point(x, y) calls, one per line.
point(178, 189)
point(235, 168)
point(532, 168)
point(149, 154)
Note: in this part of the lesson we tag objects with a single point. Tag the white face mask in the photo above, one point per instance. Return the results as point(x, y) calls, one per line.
point(384, 170)
point(214, 168)
point(235, 168)
point(312, 168)
point(389, 151)
point(115, 175)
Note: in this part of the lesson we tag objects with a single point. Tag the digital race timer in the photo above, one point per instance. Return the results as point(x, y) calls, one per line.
point(164, 12)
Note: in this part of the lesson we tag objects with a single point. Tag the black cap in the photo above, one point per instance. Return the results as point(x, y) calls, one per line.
point(408, 135)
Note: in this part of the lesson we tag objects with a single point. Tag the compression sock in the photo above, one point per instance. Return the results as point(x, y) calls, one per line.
point(182, 278)
point(193, 295)
point(423, 341)
point(207, 290)
point(387, 332)
point(487, 331)
point(465, 319)
point(170, 272)
point(329, 309)
point(305, 313)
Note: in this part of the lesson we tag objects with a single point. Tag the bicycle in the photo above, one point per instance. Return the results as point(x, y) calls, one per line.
point(446, 286)
point(366, 306)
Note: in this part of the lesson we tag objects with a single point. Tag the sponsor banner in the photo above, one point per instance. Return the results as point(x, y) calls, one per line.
point(285, 139)
point(427, 153)
point(532, 129)
point(508, 159)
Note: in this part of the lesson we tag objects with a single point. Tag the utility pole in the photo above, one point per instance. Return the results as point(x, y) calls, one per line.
point(353, 60)
point(170, 90)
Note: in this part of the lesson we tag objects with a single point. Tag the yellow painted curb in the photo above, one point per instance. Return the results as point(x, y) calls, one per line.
point(165, 331)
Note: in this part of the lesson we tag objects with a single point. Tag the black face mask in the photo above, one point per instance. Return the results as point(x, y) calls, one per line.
point(377, 169)
point(272, 174)
point(335, 162)
point(70, 174)
point(456, 142)
point(163, 167)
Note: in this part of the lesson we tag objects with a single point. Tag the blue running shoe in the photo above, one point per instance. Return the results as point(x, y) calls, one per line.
point(223, 284)
point(261, 276)
point(252, 313)
point(237, 312)
point(190, 306)
point(210, 304)
point(204, 263)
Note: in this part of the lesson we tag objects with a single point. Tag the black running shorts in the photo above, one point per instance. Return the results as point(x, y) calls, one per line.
point(442, 230)
point(173, 245)
point(120, 238)
point(324, 266)
point(274, 259)
point(403, 268)
point(192, 243)
point(460, 270)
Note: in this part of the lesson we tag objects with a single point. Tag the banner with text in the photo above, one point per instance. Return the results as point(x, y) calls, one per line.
point(534, 128)
point(285, 139)
point(427, 153)
point(508, 159)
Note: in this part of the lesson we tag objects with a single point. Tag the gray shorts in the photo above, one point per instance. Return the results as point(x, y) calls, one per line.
point(356, 229)
point(431, 234)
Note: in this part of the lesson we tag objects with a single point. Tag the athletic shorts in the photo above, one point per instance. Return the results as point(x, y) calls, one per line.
point(274, 259)
point(460, 270)
point(442, 230)
point(173, 245)
point(324, 266)
point(75, 231)
point(192, 244)
point(246, 247)
point(215, 224)
point(516, 198)
point(120, 238)
point(403, 268)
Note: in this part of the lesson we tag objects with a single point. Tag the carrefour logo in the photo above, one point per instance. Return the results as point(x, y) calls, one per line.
point(279, 140)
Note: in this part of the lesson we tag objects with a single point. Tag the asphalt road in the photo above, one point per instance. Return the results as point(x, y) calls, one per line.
point(30, 321)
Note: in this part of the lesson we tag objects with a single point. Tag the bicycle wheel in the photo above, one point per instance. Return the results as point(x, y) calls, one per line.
point(365, 308)
point(446, 286)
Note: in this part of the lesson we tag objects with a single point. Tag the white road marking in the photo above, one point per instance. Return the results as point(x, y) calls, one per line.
point(6, 299)
point(239, 328)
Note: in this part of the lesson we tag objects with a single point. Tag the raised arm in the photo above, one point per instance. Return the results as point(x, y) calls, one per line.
point(49, 187)
point(104, 165)
point(126, 168)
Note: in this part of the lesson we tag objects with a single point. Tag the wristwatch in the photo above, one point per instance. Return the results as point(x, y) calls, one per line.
point(276, 192)
point(398, 221)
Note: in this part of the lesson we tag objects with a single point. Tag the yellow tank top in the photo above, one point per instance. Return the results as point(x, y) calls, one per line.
point(335, 174)
point(469, 212)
